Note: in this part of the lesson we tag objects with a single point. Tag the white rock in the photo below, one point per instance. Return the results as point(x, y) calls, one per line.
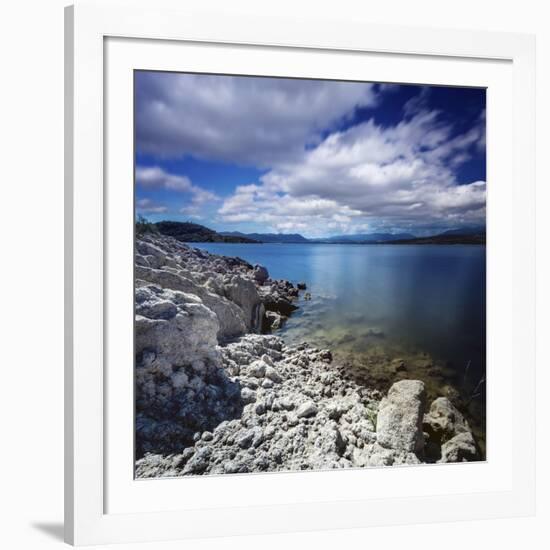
point(444, 419)
point(307, 409)
point(461, 448)
point(272, 374)
point(257, 369)
point(399, 420)
point(248, 395)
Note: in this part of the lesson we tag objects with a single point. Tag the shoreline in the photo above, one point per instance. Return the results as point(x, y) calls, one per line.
point(216, 394)
point(393, 243)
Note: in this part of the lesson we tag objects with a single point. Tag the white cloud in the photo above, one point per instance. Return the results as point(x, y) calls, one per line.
point(283, 212)
point(368, 176)
point(241, 120)
point(155, 178)
point(192, 211)
point(147, 206)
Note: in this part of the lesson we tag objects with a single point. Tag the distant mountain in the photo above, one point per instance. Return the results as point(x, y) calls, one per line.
point(196, 233)
point(448, 237)
point(366, 238)
point(268, 237)
point(471, 230)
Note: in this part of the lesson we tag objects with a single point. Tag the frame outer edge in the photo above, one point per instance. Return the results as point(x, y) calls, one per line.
point(525, 172)
point(362, 35)
point(69, 500)
point(84, 521)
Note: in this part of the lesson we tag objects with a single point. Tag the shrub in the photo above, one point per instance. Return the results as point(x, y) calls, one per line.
point(144, 226)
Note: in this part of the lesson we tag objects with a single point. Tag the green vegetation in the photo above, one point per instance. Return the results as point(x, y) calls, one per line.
point(372, 416)
point(144, 226)
point(195, 233)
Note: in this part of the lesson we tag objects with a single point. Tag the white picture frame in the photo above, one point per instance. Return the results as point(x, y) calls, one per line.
point(103, 503)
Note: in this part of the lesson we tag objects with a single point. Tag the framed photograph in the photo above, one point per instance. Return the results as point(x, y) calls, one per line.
point(299, 274)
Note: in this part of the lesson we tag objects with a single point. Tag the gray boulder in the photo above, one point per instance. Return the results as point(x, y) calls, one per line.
point(278, 303)
point(232, 319)
point(461, 448)
point(176, 325)
point(449, 438)
point(257, 369)
point(272, 374)
point(399, 421)
point(260, 274)
point(374, 455)
point(444, 420)
point(243, 292)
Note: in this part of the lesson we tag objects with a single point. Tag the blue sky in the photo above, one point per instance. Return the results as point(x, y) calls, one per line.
point(315, 157)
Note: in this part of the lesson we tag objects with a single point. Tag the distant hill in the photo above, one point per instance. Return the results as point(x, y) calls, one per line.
point(366, 238)
point(448, 237)
point(338, 239)
point(471, 230)
point(268, 237)
point(196, 233)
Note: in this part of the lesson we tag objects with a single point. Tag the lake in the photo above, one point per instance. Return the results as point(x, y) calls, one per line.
point(389, 311)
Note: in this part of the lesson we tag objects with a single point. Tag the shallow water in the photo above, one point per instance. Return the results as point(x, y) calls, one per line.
point(391, 311)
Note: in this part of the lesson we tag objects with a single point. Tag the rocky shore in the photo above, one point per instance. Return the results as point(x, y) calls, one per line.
point(217, 393)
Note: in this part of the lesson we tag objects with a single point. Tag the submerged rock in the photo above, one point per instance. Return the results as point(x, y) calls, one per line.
point(273, 321)
point(279, 304)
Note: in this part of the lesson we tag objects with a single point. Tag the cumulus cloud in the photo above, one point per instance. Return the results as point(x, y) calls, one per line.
point(241, 120)
point(148, 206)
point(155, 178)
point(284, 213)
point(192, 211)
point(370, 176)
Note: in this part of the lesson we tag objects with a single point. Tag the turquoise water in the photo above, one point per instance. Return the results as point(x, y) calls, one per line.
point(374, 303)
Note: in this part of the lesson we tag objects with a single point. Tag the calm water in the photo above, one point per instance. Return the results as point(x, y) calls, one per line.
point(372, 304)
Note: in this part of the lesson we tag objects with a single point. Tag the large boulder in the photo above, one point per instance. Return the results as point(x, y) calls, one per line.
point(260, 274)
point(181, 387)
point(444, 420)
point(174, 324)
point(232, 319)
point(374, 455)
point(461, 448)
point(278, 303)
point(328, 447)
point(243, 292)
point(449, 438)
point(399, 421)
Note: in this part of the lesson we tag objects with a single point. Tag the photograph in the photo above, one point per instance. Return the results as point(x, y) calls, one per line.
point(309, 276)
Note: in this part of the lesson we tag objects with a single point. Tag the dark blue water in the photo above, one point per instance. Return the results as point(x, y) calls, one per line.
point(383, 301)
